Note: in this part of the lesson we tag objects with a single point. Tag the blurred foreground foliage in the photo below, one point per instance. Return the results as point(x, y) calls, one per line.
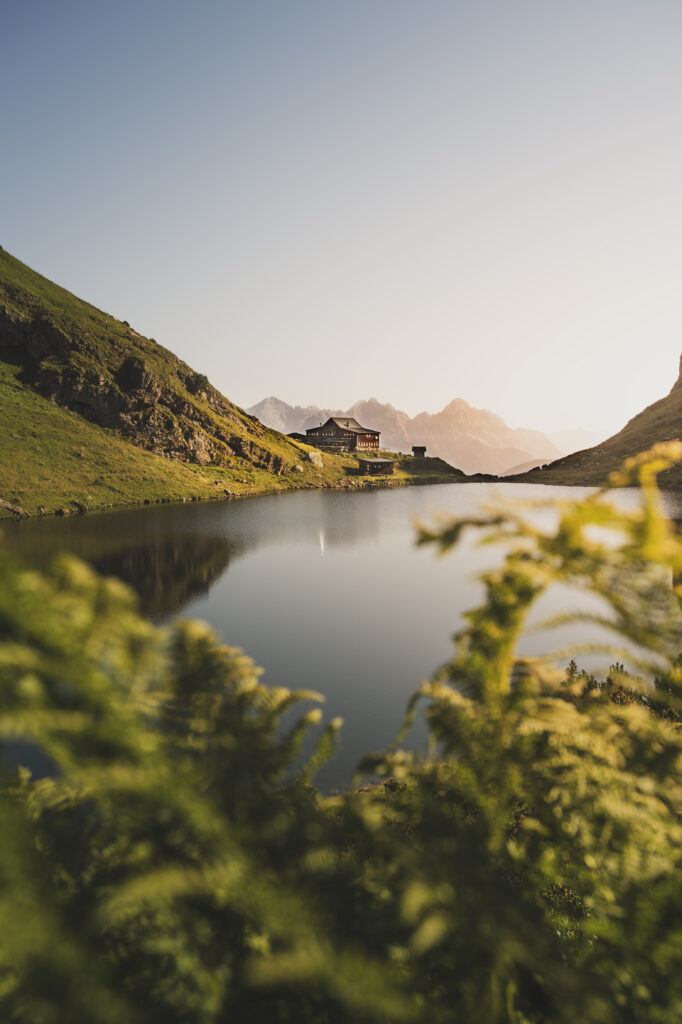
point(174, 867)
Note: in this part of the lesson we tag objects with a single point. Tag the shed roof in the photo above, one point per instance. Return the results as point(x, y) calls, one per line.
point(374, 461)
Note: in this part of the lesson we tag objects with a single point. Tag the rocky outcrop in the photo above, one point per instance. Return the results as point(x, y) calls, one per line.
point(15, 510)
point(260, 457)
point(30, 340)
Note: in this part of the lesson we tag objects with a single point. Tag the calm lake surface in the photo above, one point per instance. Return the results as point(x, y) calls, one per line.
point(324, 589)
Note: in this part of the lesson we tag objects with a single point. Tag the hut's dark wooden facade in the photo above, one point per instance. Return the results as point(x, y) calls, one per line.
point(343, 433)
point(376, 467)
point(419, 451)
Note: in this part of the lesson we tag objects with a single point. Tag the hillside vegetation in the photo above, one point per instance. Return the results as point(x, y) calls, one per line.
point(659, 422)
point(94, 414)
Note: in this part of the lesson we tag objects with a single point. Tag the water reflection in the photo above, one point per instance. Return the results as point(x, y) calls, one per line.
point(173, 554)
point(170, 571)
point(167, 567)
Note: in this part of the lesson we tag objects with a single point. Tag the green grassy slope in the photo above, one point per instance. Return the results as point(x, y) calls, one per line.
point(92, 414)
point(661, 421)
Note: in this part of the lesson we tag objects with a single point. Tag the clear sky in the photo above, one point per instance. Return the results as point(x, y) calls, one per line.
point(332, 199)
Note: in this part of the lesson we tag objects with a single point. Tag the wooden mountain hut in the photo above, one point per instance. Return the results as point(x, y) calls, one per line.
point(343, 434)
point(419, 451)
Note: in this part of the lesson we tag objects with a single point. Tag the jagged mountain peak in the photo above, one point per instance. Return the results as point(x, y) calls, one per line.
point(461, 409)
point(457, 404)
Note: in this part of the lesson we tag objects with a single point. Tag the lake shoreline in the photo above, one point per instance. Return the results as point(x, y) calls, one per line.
point(15, 514)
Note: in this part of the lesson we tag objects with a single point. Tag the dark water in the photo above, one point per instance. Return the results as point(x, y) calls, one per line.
point(325, 590)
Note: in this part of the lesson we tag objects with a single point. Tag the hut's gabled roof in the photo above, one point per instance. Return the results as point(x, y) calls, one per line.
point(348, 423)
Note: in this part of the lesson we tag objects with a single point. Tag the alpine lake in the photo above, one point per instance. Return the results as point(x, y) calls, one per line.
point(326, 590)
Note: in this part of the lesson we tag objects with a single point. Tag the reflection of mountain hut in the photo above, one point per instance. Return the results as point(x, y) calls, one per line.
point(376, 467)
point(419, 451)
point(343, 434)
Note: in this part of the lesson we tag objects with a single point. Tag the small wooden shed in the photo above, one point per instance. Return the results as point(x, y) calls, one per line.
point(419, 451)
point(376, 467)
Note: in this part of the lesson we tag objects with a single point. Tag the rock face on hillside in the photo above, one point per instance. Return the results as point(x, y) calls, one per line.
point(15, 510)
point(661, 421)
point(101, 369)
point(476, 440)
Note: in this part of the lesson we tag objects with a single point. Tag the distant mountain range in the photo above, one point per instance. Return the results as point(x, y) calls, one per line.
point(474, 440)
point(661, 421)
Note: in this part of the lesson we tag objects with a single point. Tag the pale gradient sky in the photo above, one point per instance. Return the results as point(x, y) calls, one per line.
point(332, 199)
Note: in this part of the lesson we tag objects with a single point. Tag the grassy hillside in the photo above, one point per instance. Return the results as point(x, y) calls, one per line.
point(92, 414)
point(661, 421)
